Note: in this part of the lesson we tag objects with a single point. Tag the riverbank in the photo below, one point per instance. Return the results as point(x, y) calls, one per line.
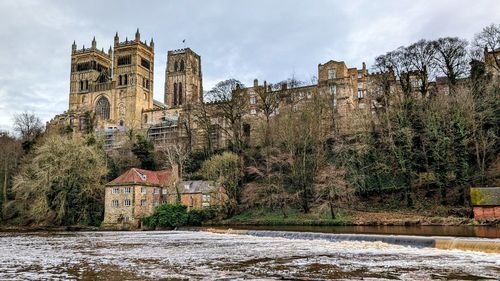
point(348, 218)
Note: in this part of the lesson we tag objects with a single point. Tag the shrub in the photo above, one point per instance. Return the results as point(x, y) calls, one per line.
point(167, 215)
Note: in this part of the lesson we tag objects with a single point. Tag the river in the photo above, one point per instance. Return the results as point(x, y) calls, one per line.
point(194, 255)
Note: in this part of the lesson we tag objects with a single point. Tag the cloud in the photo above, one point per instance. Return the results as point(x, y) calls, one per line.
point(265, 39)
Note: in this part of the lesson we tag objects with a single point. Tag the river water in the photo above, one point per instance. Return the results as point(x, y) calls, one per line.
point(192, 255)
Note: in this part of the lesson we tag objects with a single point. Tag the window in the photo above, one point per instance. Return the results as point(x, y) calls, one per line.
point(119, 80)
point(253, 100)
point(126, 203)
point(157, 190)
point(127, 190)
point(164, 191)
point(143, 202)
point(360, 75)
point(332, 74)
point(176, 66)
point(81, 86)
point(175, 93)
point(125, 79)
point(333, 92)
point(143, 190)
point(115, 190)
point(360, 90)
point(147, 83)
point(182, 66)
point(145, 118)
point(145, 63)
point(309, 95)
point(180, 93)
point(86, 84)
point(253, 111)
point(124, 60)
point(206, 197)
point(126, 219)
point(102, 108)
point(115, 203)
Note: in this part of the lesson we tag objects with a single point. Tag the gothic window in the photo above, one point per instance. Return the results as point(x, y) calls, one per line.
point(119, 80)
point(86, 84)
point(147, 84)
point(180, 93)
point(102, 108)
point(145, 63)
point(175, 93)
point(125, 79)
point(81, 85)
point(176, 66)
point(182, 65)
point(124, 60)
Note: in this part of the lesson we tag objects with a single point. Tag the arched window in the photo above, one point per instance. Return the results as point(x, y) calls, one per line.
point(125, 79)
point(176, 66)
point(175, 94)
point(119, 80)
point(182, 65)
point(102, 108)
point(81, 85)
point(86, 84)
point(180, 93)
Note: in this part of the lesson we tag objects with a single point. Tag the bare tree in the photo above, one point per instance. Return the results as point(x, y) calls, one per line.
point(10, 152)
point(422, 57)
point(230, 104)
point(451, 57)
point(29, 127)
point(268, 104)
point(488, 39)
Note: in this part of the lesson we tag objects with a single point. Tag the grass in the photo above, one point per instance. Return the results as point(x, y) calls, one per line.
point(293, 217)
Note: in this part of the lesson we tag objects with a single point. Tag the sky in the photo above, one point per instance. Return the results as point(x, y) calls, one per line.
point(245, 39)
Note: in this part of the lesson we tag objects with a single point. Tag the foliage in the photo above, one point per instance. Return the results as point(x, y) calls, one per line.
point(143, 149)
point(176, 215)
point(61, 183)
point(225, 169)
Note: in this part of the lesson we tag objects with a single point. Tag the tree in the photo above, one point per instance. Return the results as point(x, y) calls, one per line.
point(230, 105)
point(61, 184)
point(10, 153)
point(488, 39)
point(451, 57)
point(268, 103)
point(226, 169)
point(422, 56)
point(143, 148)
point(29, 127)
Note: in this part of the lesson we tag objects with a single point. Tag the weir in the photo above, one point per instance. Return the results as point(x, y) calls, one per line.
point(447, 243)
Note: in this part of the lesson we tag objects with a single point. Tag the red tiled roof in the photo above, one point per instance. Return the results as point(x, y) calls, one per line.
point(140, 176)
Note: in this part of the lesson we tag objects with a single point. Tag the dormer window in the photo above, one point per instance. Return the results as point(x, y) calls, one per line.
point(332, 74)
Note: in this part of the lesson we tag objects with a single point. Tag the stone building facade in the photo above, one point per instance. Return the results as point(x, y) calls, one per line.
point(135, 194)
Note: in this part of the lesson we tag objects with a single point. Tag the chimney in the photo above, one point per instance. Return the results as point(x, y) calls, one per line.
point(255, 82)
point(265, 85)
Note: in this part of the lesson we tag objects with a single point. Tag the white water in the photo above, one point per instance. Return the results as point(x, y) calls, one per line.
point(200, 255)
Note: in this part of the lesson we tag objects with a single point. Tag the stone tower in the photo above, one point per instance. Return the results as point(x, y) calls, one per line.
point(87, 65)
point(183, 82)
point(133, 71)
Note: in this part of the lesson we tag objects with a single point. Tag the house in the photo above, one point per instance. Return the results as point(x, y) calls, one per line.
point(485, 202)
point(201, 194)
point(134, 195)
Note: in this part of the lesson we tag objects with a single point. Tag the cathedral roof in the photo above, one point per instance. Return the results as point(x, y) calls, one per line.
point(137, 176)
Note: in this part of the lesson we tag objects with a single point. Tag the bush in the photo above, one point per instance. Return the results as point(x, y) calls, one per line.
point(175, 215)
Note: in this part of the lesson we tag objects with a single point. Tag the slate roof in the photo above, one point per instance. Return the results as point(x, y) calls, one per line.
point(145, 177)
point(196, 186)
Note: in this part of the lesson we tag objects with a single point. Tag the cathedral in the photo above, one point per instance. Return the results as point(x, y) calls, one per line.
point(111, 93)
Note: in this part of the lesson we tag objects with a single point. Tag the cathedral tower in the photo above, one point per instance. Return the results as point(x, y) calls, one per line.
point(183, 82)
point(133, 71)
point(87, 66)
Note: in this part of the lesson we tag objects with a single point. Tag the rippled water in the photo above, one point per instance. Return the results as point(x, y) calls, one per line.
point(184, 255)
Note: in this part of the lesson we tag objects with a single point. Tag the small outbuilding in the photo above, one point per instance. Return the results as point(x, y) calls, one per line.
point(201, 194)
point(485, 202)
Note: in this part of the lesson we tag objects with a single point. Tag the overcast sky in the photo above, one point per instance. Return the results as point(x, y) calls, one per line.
point(268, 40)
